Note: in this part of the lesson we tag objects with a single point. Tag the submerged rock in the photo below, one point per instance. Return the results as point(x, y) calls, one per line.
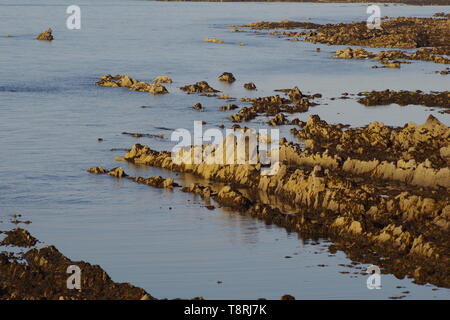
point(213, 40)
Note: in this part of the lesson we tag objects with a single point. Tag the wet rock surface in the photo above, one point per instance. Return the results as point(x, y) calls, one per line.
point(283, 24)
point(395, 33)
point(158, 181)
point(393, 58)
point(228, 107)
point(250, 86)
point(227, 77)
point(430, 35)
point(199, 87)
point(140, 135)
point(19, 238)
point(404, 98)
point(41, 274)
point(198, 106)
point(47, 35)
point(273, 105)
point(213, 40)
point(134, 85)
point(375, 187)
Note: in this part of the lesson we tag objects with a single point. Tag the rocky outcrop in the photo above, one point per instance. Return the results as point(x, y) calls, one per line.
point(42, 275)
point(278, 120)
point(283, 24)
point(349, 53)
point(162, 79)
point(250, 86)
point(227, 77)
point(19, 238)
point(118, 172)
point(47, 35)
point(355, 185)
point(404, 98)
point(431, 35)
point(390, 58)
point(414, 154)
point(199, 87)
point(273, 105)
point(134, 85)
point(395, 33)
point(198, 106)
point(228, 107)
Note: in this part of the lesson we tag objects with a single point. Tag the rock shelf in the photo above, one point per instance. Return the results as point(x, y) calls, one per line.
point(375, 187)
point(134, 85)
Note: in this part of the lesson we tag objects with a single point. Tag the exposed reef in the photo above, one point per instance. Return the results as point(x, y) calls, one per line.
point(47, 35)
point(199, 87)
point(227, 77)
point(18, 237)
point(250, 86)
point(376, 187)
point(119, 80)
point(404, 98)
point(272, 105)
point(393, 58)
point(42, 274)
point(430, 35)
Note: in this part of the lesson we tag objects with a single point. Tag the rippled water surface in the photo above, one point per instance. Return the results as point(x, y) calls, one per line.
point(51, 115)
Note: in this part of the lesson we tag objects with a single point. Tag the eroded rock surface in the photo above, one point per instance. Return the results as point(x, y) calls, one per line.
point(376, 187)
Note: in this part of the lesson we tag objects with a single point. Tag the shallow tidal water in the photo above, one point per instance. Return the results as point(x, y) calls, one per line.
point(51, 115)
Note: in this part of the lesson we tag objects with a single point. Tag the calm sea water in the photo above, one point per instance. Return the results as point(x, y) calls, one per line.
point(51, 116)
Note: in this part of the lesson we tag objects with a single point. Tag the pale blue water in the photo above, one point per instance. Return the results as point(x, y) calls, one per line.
point(51, 115)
